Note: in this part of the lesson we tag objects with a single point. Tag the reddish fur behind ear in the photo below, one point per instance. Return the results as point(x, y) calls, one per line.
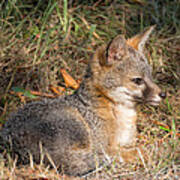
point(138, 41)
point(134, 42)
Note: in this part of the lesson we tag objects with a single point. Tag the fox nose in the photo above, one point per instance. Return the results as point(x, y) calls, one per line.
point(162, 95)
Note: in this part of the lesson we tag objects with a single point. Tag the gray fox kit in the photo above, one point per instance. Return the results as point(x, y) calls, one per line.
point(95, 123)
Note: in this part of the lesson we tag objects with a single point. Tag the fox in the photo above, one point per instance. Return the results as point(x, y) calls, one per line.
point(87, 129)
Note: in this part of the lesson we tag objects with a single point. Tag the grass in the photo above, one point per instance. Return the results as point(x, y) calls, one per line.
point(38, 39)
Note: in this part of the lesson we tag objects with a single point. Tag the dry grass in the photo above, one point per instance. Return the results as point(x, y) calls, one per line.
point(37, 40)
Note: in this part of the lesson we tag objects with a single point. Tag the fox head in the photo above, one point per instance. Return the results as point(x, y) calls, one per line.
point(121, 71)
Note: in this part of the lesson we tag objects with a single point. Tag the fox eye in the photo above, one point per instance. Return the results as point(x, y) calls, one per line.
point(138, 81)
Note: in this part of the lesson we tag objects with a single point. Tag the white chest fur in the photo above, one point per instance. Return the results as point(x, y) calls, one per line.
point(125, 133)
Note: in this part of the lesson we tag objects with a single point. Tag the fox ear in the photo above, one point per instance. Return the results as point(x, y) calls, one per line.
point(115, 50)
point(138, 41)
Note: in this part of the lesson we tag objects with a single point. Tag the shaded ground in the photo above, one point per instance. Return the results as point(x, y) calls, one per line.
point(37, 40)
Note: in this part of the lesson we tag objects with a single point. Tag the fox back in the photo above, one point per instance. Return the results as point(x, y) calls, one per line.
point(97, 122)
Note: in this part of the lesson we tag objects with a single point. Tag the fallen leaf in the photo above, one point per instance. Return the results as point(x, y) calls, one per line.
point(161, 124)
point(69, 81)
point(57, 90)
point(37, 93)
point(61, 88)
